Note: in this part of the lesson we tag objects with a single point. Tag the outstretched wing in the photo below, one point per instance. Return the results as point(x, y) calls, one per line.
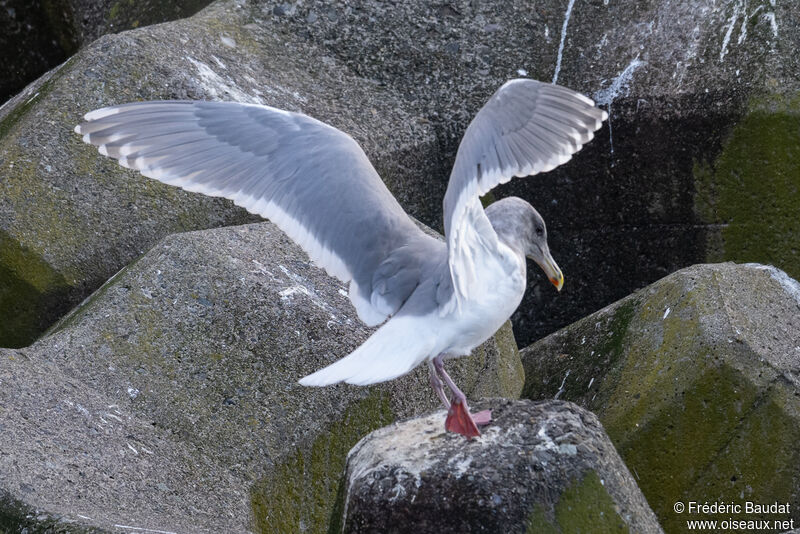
point(525, 128)
point(310, 179)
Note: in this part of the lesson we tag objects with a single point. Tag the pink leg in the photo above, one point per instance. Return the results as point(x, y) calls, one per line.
point(436, 384)
point(459, 419)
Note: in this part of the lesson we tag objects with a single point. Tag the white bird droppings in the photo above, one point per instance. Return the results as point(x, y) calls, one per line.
point(145, 529)
point(789, 284)
point(217, 86)
point(563, 39)
point(561, 387)
point(459, 464)
point(620, 86)
point(737, 10)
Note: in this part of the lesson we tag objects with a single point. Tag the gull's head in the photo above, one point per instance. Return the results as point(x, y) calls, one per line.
point(521, 227)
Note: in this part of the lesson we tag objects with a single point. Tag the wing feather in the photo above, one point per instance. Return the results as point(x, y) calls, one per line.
point(309, 178)
point(525, 128)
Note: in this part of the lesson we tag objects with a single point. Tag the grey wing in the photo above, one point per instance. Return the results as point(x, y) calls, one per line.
point(310, 179)
point(525, 128)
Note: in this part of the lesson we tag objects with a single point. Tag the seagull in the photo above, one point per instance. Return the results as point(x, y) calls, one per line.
point(434, 299)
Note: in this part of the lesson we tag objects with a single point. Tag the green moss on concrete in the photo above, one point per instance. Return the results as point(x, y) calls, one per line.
point(580, 353)
point(618, 329)
point(126, 14)
point(77, 312)
point(114, 11)
point(61, 24)
point(16, 114)
point(586, 507)
point(761, 459)
point(666, 356)
point(20, 110)
point(43, 212)
point(692, 417)
point(43, 216)
point(305, 493)
point(610, 351)
point(722, 437)
point(670, 451)
point(510, 371)
point(752, 190)
point(29, 291)
point(539, 523)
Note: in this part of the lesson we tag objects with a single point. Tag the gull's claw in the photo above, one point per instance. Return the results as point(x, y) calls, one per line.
point(482, 418)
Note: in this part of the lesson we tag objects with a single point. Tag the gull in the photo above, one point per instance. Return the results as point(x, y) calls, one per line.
point(433, 299)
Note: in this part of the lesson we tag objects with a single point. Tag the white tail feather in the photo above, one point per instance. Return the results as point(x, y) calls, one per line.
point(390, 352)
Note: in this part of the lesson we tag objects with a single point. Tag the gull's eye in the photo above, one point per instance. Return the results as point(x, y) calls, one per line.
point(539, 231)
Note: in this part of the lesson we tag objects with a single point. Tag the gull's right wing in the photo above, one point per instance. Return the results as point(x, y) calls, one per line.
point(310, 179)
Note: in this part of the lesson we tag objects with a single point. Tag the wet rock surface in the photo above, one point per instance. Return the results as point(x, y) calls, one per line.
point(169, 400)
point(697, 381)
point(538, 467)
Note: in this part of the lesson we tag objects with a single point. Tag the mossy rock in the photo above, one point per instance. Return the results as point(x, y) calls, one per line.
point(402, 79)
point(38, 35)
point(100, 17)
point(169, 399)
point(697, 381)
point(35, 36)
point(544, 467)
point(749, 195)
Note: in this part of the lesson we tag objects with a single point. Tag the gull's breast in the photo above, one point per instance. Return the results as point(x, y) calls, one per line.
point(498, 290)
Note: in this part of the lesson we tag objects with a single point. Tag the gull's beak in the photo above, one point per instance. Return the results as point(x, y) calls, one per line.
point(551, 269)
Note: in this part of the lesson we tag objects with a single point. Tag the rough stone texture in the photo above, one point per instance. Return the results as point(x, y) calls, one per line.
point(696, 378)
point(37, 35)
point(69, 218)
point(698, 162)
point(169, 399)
point(94, 18)
point(538, 467)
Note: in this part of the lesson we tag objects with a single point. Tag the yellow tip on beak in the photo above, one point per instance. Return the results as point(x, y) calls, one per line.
point(552, 271)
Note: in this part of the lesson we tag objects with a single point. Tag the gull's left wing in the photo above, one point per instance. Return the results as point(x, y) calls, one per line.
point(525, 128)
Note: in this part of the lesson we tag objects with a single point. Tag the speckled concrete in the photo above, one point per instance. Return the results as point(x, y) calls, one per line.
point(696, 378)
point(538, 467)
point(169, 400)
